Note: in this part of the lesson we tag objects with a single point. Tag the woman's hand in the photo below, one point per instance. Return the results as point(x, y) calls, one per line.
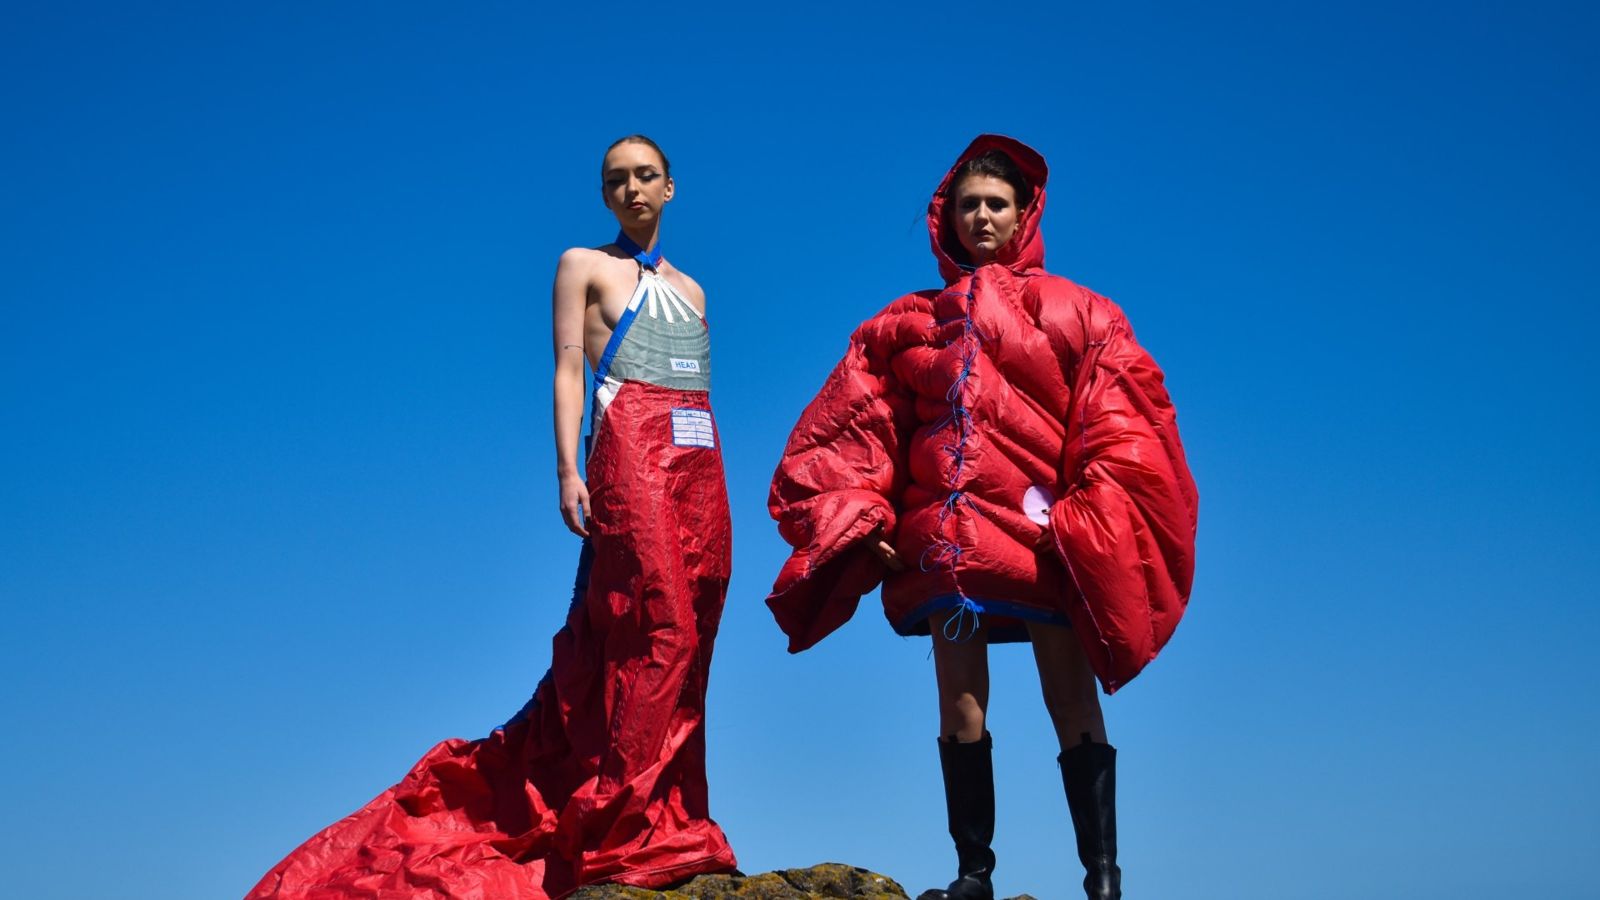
point(575, 504)
point(1046, 541)
point(885, 552)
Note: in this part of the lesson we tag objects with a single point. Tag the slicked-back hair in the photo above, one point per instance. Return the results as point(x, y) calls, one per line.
point(666, 167)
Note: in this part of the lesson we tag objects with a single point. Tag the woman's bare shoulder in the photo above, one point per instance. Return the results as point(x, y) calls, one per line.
point(584, 257)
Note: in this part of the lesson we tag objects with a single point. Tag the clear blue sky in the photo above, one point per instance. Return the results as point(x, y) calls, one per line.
point(278, 506)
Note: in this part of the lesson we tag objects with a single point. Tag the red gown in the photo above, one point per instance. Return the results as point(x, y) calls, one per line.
point(601, 776)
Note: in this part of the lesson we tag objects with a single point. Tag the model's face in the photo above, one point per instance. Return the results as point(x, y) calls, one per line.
point(634, 184)
point(985, 216)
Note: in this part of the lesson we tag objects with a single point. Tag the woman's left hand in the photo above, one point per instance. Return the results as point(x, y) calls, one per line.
point(1046, 540)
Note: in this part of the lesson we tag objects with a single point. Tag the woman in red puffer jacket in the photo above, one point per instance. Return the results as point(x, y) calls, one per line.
point(1001, 455)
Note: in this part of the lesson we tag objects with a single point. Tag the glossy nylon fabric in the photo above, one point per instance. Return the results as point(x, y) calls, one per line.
point(947, 408)
point(601, 776)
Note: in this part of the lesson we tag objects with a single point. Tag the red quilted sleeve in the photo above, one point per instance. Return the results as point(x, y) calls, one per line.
point(839, 479)
point(1126, 526)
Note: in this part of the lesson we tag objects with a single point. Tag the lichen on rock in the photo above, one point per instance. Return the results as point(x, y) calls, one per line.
point(828, 881)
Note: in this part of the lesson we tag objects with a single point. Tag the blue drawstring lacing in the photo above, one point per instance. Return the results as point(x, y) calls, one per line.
point(965, 622)
point(965, 615)
point(943, 552)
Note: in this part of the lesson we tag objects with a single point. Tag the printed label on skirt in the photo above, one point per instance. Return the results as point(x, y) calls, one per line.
point(693, 428)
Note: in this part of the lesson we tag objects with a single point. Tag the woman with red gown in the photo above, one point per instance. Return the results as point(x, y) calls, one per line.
point(601, 775)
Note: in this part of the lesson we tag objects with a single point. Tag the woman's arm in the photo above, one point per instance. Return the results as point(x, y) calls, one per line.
point(569, 300)
point(834, 492)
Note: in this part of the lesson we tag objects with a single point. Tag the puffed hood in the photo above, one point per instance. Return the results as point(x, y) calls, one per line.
point(1025, 250)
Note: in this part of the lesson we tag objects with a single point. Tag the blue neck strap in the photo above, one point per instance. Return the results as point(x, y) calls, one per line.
point(650, 259)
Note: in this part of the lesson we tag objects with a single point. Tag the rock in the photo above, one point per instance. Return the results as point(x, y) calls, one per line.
point(828, 881)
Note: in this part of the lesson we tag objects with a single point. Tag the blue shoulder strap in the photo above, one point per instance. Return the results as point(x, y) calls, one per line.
point(650, 259)
point(610, 354)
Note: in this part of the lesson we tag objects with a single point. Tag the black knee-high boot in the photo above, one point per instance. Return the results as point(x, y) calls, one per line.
point(1089, 772)
point(969, 802)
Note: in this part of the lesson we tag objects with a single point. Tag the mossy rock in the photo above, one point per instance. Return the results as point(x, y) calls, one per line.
point(829, 881)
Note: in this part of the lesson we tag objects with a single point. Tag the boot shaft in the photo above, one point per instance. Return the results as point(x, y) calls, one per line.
point(1089, 774)
point(968, 771)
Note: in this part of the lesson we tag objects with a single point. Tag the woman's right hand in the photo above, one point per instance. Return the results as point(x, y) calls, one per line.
point(885, 550)
point(575, 504)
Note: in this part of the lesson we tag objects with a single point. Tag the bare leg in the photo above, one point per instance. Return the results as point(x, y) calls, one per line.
point(966, 762)
point(1070, 691)
point(963, 671)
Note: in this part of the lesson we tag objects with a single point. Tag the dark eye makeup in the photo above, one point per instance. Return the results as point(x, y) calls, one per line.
point(618, 178)
point(996, 204)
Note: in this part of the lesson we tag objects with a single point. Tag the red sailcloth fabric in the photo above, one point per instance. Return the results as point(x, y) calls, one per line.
point(601, 776)
point(1012, 441)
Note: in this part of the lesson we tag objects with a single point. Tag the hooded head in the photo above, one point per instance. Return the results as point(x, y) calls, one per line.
point(1025, 250)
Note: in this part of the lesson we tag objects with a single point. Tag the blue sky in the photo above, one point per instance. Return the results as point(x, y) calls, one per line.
point(279, 502)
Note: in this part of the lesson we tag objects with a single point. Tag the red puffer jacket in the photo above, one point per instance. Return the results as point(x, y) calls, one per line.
point(965, 422)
